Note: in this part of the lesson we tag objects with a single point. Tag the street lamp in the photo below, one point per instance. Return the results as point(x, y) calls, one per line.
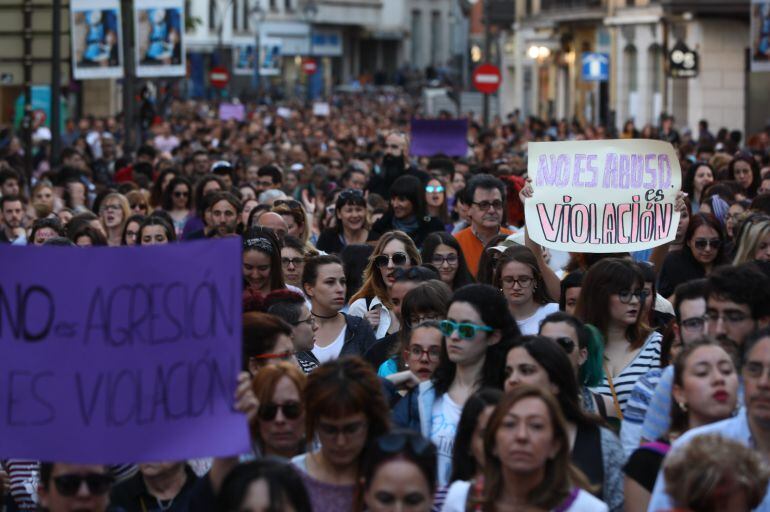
point(310, 13)
point(257, 14)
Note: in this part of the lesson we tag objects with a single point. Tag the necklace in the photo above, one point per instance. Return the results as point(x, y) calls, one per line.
point(167, 505)
point(324, 317)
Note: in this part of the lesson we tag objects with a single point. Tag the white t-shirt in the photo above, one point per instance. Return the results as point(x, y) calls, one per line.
point(457, 496)
point(443, 428)
point(531, 325)
point(332, 351)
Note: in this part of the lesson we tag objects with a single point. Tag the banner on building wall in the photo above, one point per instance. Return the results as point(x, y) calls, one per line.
point(244, 59)
point(270, 56)
point(603, 196)
point(159, 34)
point(760, 35)
point(97, 42)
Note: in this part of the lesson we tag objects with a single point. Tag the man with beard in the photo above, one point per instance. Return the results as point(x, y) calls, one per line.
point(12, 209)
point(225, 209)
point(394, 165)
point(486, 195)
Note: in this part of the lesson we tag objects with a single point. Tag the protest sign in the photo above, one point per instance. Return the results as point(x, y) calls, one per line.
point(439, 136)
point(159, 32)
point(97, 45)
point(115, 355)
point(229, 111)
point(321, 109)
point(603, 196)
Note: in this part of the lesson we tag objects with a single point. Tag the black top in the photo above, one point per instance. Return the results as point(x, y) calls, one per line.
point(132, 495)
point(329, 242)
point(587, 454)
point(644, 464)
point(678, 267)
point(425, 226)
point(381, 350)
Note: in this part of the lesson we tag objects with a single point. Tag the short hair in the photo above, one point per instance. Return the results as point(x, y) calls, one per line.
point(48, 222)
point(96, 236)
point(704, 471)
point(742, 284)
point(276, 176)
point(572, 280)
point(10, 199)
point(8, 173)
point(486, 182)
point(284, 485)
point(78, 221)
point(342, 387)
point(154, 220)
point(226, 196)
point(410, 188)
point(266, 380)
point(260, 334)
point(690, 290)
point(285, 304)
point(146, 150)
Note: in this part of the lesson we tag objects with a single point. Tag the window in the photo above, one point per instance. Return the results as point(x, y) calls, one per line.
point(435, 37)
point(246, 15)
point(234, 9)
point(416, 37)
point(213, 14)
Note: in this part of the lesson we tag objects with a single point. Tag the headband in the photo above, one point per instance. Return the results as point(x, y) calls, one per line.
point(259, 243)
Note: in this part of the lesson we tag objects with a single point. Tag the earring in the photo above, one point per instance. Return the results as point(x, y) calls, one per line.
point(683, 406)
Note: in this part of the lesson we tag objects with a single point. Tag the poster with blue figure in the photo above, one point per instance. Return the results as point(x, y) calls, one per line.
point(760, 35)
point(96, 39)
point(159, 33)
point(244, 59)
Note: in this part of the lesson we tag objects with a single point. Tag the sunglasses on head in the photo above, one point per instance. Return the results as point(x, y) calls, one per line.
point(702, 243)
point(291, 411)
point(69, 485)
point(350, 193)
point(398, 442)
point(291, 203)
point(399, 259)
point(465, 330)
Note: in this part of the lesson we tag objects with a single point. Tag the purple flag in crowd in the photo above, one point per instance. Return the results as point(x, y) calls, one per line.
point(439, 136)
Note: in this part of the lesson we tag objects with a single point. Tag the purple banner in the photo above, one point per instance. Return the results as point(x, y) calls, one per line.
point(439, 136)
point(229, 111)
point(114, 355)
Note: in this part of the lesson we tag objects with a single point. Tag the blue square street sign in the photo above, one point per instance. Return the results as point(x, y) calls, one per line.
point(595, 66)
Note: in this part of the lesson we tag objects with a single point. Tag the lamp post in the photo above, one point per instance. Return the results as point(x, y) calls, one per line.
point(257, 14)
point(310, 12)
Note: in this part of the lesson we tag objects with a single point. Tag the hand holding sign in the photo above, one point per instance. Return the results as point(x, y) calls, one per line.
point(602, 196)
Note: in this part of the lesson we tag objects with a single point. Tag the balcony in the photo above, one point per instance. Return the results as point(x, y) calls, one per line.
point(731, 8)
point(551, 5)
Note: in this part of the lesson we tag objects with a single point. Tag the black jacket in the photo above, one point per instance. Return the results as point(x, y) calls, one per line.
point(425, 226)
point(359, 337)
point(678, 267)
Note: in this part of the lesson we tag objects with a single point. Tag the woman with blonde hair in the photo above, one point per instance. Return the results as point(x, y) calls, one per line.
point(753, 239)
point(114, 211)
point(395, 249)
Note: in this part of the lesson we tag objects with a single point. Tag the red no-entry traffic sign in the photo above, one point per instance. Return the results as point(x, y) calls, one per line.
point(219, 77)
point(487, 78)
point(309, 66)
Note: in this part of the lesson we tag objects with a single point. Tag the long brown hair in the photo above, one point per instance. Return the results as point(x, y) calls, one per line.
point(373, 285)
point(560, 474)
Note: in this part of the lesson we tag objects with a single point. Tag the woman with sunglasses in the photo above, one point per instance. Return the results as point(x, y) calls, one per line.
point(443, 251)
point(398, 473)
point(611, 300)
point(753, 241)
point(338, 334)
point(177, 201)
point(595, 450)
point(518, 276)
point(477, 332)
point(703, 250)
point(280, 427)
point(585, 355)
point(436, 202)
point(705, 391)
point(527, 461)
point(345, 411)
point(394, 250)
point(407, 212)
point(351, 226)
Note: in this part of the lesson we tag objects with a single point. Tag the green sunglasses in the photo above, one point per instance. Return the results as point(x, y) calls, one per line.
point(465, 330)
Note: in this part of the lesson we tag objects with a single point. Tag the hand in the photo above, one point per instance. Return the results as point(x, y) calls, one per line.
point(526, 192)
point(245, 399)
point(308, 202)
point(679, 205)
point(373, 317)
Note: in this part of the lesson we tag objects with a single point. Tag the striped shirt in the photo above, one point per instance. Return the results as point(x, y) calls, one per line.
point(647, 359)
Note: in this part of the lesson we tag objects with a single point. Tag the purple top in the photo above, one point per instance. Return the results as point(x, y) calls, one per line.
point(325, 497)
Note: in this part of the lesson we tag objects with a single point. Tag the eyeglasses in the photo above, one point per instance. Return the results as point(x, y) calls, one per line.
point(523, 281)
point(465, 330)
point(291, 411)
point(431, 189)
point(397, 442)
point(417, 351)
point(399, 259)
point(755, 369)
point(566, 343)
point(97, 483)
point(296, 262)
point(112, 207)
point(284, 356)
point(626, 295)
point(181, 194)
point(450, 259)
point(309, 321)
point(291, 203)
point(694, 324)
point(729, 317)
point(348, 430)
point(139, 206)
point(703, 243)
point(484, 205)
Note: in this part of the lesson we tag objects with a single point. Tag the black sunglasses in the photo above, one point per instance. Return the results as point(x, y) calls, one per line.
point(397, 442)
point(350, 193)
point(702, 243)
point(69, 485)
point(291, 410)
point(399, 259)
point(566, 343)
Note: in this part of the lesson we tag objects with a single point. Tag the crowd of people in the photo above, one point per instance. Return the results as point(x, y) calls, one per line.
point(406, 346)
